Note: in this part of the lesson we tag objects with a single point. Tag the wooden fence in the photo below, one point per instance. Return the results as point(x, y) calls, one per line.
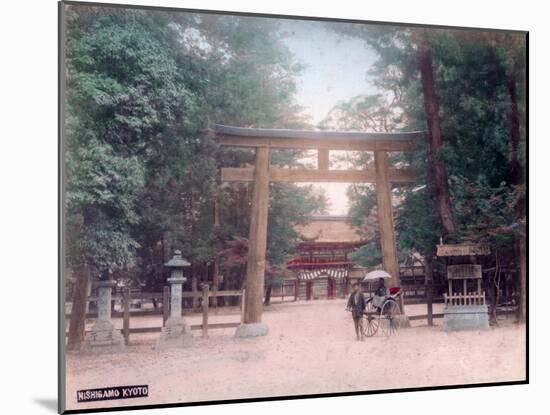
point(469, 298)
point(288, 291)
point(427, 291)
point(204, 326)
point(127, 297)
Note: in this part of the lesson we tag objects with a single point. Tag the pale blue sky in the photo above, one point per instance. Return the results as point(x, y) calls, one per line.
point(335, 65)
point(335, 70)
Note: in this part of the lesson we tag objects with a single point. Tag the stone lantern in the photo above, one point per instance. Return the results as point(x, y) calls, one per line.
point(104, 337)
point(175, 332)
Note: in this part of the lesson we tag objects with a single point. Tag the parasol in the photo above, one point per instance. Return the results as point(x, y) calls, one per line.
point(375, 275)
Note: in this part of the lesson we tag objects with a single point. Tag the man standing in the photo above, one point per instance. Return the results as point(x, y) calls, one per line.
point(356, 304)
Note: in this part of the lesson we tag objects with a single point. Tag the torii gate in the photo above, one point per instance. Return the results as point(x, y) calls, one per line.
point(262, 140)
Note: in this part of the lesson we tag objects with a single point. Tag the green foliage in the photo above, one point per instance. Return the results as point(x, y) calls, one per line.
point(362, 202)
point(364, 113)
point(417, 223)
point(473, 73)
point(369, 255)
point(142, 171)
point(289, 204)
point(125, 100)
point(486, 213)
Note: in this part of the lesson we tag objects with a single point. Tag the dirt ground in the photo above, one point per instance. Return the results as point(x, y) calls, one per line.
point(311, 349)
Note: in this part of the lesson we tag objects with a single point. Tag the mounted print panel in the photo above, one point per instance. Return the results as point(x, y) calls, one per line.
point(257, 207)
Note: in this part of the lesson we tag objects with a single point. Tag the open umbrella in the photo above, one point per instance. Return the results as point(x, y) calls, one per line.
point(375, 275)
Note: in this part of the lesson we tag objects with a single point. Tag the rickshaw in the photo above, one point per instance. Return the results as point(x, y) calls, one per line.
point(381, 311)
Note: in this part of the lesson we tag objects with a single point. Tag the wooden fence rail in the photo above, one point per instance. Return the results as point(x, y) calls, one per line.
point(161, 297)
point(127, 296)
point(289, 290)
point(469, 298)
point(204, 327)
point(427, 291)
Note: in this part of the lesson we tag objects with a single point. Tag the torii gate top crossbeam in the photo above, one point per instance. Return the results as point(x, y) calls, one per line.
point(311, 139)
point(322, 141)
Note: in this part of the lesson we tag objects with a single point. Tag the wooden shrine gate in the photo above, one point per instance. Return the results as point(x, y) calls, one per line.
point(262, 140)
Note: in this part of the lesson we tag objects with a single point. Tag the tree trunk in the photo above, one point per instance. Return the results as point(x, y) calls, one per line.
point(267, 298)
point(78, 310)
point(431, 107)
point(88, 293)
point(216, 265)
point(244, 205)
point(522, 278)
point(205, 278)
point(215, 281)
point(428, 283)
point(194, 287)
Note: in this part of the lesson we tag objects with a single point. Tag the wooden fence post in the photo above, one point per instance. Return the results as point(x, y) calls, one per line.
point(126, 316)
point(165, 304)
point(195, 292)
point(215, 282)
point(205, 295)
point(88, 293)
point(429, 300)
point(243, 303)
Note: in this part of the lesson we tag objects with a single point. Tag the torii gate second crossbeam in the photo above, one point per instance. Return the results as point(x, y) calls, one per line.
point(262, 140)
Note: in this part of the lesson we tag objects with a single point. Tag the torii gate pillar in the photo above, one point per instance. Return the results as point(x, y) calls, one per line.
point(385, 216)
point(257, 244)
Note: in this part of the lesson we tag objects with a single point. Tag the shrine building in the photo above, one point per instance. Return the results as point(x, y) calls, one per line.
point(322, 266)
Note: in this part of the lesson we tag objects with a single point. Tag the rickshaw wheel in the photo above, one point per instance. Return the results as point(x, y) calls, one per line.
point(370, 320)
point(390, 317)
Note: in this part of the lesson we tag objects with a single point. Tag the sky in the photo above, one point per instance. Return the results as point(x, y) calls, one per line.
point(335, 70)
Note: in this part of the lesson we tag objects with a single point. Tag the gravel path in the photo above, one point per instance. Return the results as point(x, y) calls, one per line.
point(311, 349)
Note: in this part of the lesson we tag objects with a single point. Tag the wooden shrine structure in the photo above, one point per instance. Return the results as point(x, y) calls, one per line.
point(264, 140)
point(465, 303)
point(326, 261)
point(322, 263)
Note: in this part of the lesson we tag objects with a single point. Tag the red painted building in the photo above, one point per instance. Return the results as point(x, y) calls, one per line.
point(323, 267)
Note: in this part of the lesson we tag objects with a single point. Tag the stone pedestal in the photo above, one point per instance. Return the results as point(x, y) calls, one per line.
point(466, 317)
point(104, 337)
point(252, 330)
point(403, 320)
point(175, 333)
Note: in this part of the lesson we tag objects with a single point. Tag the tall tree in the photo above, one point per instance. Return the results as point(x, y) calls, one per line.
point(438, 170)
point(142, 169)
point(472, 72)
